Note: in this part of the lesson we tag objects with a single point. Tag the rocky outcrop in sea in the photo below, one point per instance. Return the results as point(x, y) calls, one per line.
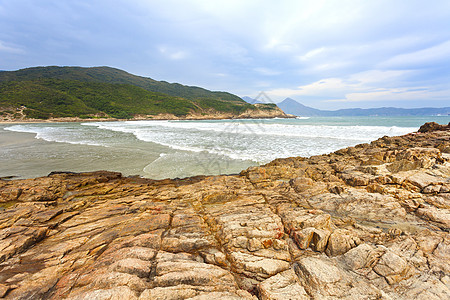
point(365, 222)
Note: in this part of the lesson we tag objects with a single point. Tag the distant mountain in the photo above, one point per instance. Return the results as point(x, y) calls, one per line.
point(251, 100)
point(290, 106)
point(54, 92)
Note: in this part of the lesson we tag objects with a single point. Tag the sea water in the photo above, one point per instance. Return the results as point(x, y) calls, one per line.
point(168, 149)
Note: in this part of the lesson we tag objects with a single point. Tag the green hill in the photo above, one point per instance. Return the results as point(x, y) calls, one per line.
point(48, 92)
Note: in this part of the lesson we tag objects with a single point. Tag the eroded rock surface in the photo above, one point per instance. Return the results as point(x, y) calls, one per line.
point(366, 222)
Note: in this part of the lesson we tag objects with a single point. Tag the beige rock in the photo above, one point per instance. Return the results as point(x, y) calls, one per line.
point(179, 269)
point(283, 286)
point(133, 266)
point(366, 222)
point(18, 239)
point(168, 293)
point(422, 287)
point(440, 217)
point(224, 295)
point(257, 267)
point(303, 237)
point(117, 293)
point(296, 218)
point(111, 279)
point(428, 241)
point(317, 239)
point(361, 257)
point(4, 289)
point(322, 278)
point(392, 267)
point(301, 184)
point(340, 241)
point(254, 245)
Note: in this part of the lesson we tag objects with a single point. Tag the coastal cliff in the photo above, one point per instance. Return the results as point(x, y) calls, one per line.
point(365, 222)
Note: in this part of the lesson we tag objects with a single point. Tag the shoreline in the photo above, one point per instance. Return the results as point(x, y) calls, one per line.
point(377, 207)
point(167, 118)
point(164, 118)
point(98, 158)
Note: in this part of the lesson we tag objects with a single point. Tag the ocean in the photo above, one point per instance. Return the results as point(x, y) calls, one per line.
point(170, 149)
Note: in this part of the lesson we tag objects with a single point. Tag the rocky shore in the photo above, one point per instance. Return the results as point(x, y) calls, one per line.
point(365, 222)
point(260, 112)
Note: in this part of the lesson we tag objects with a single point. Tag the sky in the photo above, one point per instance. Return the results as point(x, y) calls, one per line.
point(326, 54)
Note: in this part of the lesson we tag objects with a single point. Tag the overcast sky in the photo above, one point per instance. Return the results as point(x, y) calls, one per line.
point(326, 54)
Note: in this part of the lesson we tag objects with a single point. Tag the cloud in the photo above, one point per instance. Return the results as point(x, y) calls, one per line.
point(230, 51)
point(171, 53)
point(267, 71)
point(435, 54)
point(395, 94)
point(372, 85)
point(378, 76)
point(322, 50)
point(312, 53)
point(10, 49)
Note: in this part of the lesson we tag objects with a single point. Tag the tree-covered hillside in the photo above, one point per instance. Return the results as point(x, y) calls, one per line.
point(112, 75)
point(48, 92)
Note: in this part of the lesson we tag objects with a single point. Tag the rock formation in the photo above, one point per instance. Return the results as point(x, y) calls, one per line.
point(365, 222)
point(259, 112)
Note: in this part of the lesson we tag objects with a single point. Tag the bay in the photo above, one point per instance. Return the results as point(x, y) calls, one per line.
point(169, 149)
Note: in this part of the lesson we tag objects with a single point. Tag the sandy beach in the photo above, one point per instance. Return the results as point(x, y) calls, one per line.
point(169, 149)
point(24, 156)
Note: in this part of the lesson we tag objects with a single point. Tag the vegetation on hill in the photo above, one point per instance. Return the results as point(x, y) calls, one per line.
point(102, 91)
point(116, 76)
point(68, 98)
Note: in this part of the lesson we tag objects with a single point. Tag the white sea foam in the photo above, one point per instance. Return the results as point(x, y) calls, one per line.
point(255, 140)
point(251, 140)
point(56, 134)
point(161, 149)
point(362, 133)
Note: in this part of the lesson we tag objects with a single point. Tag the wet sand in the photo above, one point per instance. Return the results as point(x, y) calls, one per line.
point(24, 156)
point(8, 138)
